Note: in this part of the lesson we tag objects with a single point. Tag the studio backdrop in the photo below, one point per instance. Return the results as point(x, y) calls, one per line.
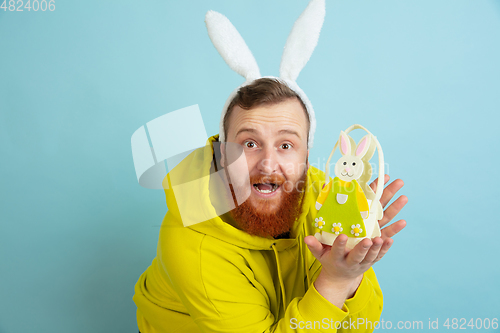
point(79, 78)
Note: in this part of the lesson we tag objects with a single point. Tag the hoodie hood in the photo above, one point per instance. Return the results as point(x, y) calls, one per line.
point(196, 197)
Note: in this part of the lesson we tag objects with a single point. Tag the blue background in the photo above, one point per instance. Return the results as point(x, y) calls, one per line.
point(76, 228)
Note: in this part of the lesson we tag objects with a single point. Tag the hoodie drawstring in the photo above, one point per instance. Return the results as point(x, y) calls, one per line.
point(305, 257)
point(307, 270)
point(279, 276)
point(306, 262)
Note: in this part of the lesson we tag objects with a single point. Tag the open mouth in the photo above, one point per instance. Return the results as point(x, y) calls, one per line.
point(266, 187)
point(346, 174)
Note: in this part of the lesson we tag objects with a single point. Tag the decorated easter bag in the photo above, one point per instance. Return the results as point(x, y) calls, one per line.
point(346, 203)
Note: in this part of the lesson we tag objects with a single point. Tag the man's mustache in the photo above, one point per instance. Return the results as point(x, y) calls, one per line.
point(267, 179)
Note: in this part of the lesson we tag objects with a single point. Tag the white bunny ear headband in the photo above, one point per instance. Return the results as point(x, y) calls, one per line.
point(298, 49)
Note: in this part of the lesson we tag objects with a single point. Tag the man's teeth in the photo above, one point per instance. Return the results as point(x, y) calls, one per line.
point(275, 186)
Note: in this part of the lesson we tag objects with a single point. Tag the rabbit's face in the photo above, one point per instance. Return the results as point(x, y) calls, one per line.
point(349, 168)
point(350, 165)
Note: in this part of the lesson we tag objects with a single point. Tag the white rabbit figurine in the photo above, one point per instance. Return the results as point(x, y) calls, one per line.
point(343, 203)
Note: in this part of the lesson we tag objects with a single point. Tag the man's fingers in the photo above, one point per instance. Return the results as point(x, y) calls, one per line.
point(393, 210)
point(373, 185)
point(390, 190)
point(373, 252)
point(383, 250)
point(358, 253)
point(314, 246)
point(338, 247)
point(393, 229)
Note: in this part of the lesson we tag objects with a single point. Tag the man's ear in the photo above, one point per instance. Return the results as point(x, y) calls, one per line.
point(307, 159)
point(222, 150)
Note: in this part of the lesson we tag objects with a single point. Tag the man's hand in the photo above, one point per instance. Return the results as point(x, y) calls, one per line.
point(342, 270)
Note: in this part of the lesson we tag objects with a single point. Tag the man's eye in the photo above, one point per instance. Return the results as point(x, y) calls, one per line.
point(286, 146)
point(249, 144)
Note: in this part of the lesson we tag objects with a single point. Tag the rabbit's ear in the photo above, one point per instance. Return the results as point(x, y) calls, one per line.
point(345, 144)
point(302, 40)
point(363, 146)
point(231, 45)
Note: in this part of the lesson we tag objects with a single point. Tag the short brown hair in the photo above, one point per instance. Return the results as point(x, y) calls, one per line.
point(263, 91)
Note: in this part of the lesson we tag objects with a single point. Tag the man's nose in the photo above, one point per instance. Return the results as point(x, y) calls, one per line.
point(269, 162)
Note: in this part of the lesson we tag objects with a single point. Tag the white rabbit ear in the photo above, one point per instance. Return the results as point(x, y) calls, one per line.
point(345, 144)
point(302, 40)
point(231, 45)
point(363, 146)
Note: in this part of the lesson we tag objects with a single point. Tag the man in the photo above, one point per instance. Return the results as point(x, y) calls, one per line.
point(248, 270)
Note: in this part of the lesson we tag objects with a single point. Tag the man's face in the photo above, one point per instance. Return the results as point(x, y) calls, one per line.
point(274, 141)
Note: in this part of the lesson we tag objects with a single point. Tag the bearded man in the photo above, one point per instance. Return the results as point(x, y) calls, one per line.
point(233, 257)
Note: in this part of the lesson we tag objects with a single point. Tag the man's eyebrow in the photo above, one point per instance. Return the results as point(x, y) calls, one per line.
point(283, 131)
point(245, 129)
point(289, 131)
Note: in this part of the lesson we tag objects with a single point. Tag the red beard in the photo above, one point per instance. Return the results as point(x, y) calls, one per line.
point(261, 217)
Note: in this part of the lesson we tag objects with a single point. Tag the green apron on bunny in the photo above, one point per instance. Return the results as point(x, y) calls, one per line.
point(342, 207)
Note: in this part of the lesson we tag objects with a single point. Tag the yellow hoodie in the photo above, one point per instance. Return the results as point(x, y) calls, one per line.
point(212, 277)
